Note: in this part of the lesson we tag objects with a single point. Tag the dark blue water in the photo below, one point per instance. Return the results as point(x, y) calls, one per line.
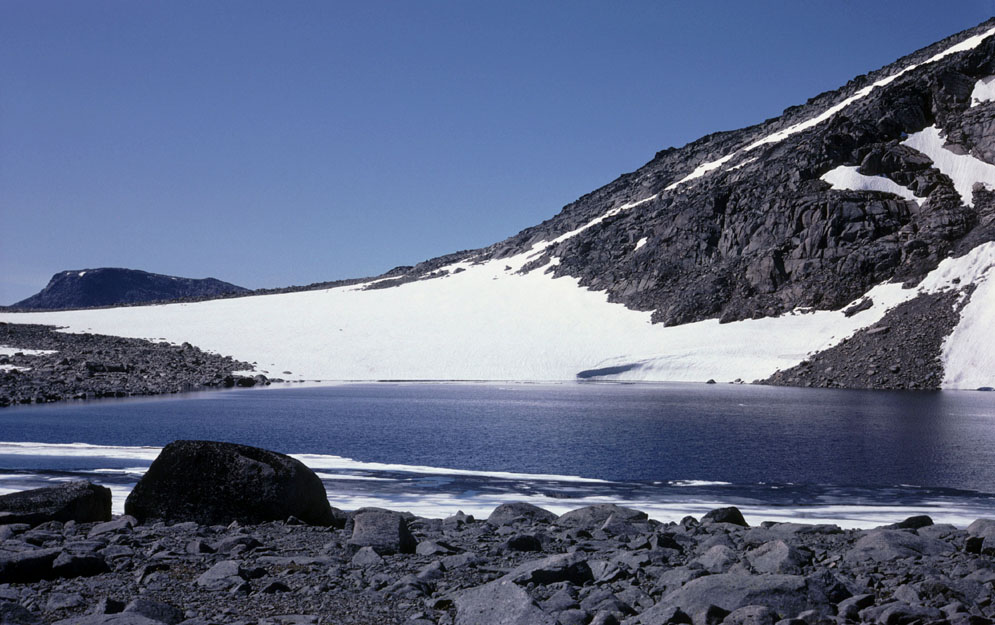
point(804, 444)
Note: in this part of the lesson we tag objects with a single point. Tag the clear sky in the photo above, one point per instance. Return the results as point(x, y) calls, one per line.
point(278, 143)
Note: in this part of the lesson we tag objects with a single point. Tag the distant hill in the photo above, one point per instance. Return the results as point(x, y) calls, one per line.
point(113, 287)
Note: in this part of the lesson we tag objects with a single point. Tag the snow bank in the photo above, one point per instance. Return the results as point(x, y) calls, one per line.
point(848, 178)
point(984, 91)
point(776, 137)
point(963, 169)
point(969, 360)
point(489, 322)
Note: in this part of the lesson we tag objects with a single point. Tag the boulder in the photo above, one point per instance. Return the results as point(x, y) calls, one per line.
point(786, 594)
point(78, 501)
point(27, 566)
point(507, 513)
point(725, 515)
point(777, 557)
point(385, 531)
point(499, 603)
point(593, 517)
point(565, 567)
point(216, 483)
point(886, 545)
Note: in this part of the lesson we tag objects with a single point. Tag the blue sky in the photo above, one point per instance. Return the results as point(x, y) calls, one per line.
point(279, 143)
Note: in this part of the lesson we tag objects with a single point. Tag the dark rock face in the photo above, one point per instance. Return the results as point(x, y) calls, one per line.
point(217, 483)
point(78, 501)
point(87, 366)
point(112, 287)
point(901, 351)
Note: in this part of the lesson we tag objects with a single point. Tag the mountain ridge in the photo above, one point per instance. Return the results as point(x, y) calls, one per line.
point(115, 286)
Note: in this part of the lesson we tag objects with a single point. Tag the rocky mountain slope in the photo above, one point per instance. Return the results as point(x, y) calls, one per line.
point(738, 256)
point(115, 287)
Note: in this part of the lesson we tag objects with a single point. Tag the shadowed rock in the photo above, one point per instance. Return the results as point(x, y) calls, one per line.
point(78, 501)
point(217, 483)
point(507, 513)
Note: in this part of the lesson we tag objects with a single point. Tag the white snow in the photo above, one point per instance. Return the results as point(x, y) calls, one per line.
point(963, 169)
point(848, 178)
point(984, 91)
point(81, 274)
point(488, 323)
point(968, 44)
point(968, 357)
point(641, 242)
point(10, 351)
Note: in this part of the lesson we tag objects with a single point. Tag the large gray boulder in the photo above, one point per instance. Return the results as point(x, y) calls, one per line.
point(886, 545)
point(78, 501)
point(385, 531)
point(507, 513)
point(786, 594)
point(593, 517)
point(215, 483)
point(499, 603)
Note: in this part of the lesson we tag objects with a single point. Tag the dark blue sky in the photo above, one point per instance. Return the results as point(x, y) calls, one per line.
point(282, 143)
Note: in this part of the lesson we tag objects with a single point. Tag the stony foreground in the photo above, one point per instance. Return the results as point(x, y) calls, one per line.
point(89, 366)
point(522, 566)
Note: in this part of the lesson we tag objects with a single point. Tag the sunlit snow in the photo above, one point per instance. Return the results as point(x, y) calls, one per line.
point(984, 91)
point(963, 169)
point(849, 178)
point(776, 137)
point(490, 322)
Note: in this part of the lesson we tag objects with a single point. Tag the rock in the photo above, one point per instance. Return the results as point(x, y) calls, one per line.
point(27, 566)
point(911, 523)
point(885, 545)
point(567, 567)
point(751, 615)
point(499, 603)
point(78, 501)
point(718, 559)
point(787, 594)
point(508, 513)
point(122, 618)
point(593, 517)
point(725, 515)
point(222, 575)
point(63, 601)
point(432, 548)
point(15, 614)
point(217, 483)
point(385, 531)
point(523, 542)
point(78, 565)
point(367, 556)
point(155, 610)
point(122, 523)
point(661, 614)
point(777, 557)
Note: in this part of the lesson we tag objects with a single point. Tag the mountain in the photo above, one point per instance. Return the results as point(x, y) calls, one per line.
point(849, 242)
point(115, 287)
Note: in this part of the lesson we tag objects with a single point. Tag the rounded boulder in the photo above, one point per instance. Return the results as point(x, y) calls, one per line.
point(214, 483)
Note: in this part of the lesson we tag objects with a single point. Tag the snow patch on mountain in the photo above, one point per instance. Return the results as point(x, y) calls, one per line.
point(776, 137)
point(984, 91)
point(489, 322)
point(963, 169)
point(849, 178)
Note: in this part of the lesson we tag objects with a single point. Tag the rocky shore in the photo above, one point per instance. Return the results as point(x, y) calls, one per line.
point(521, 566)
point(88, 366)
